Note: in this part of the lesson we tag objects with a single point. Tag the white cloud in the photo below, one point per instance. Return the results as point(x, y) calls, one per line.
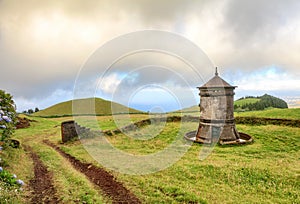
point(109, 84)
point(24, 104)
point(58, 95)
point(44, 43)
point(270, 80)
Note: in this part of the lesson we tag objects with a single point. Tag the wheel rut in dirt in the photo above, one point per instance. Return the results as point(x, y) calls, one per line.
point(100, 177)
point(42, 188)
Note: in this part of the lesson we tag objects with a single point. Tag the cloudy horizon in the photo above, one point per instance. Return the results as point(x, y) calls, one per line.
point(44, 44)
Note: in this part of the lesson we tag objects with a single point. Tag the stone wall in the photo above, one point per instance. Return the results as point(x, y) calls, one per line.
point(70, 130)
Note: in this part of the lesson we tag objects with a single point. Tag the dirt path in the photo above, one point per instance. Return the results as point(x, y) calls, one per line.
point(43, 190)
point(109, 185)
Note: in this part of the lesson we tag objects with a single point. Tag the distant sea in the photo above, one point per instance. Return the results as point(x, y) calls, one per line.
point(292, 101)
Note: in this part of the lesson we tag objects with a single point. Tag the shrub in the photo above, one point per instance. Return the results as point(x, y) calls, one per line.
point(7, 116)
point(9, 179)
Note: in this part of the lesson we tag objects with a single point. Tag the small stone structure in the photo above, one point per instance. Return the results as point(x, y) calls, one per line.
point(217, 122)
point(70, 130)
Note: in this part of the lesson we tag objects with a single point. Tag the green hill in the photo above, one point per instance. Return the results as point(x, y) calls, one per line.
point(249, 103)
point(245, 101)
point(190, 109)
point(88, 106)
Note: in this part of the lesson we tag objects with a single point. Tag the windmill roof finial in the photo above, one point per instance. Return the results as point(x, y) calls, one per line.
point(216, 71)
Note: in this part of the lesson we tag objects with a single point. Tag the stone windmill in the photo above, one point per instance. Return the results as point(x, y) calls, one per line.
point(217, 122)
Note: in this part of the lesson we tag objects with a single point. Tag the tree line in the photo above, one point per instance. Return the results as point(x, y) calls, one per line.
point(265, 101)
point(30, 111)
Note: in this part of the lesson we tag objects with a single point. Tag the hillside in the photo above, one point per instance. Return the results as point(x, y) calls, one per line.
point(249, 103)
point(245, 101)
point(191, 109)
point(85, 107)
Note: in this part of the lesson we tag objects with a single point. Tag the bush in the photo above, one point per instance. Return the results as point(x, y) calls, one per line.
point(8, 116)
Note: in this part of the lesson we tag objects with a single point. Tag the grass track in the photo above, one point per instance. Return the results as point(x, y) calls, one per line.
point(71, 186)
point(264, 172)
point(233, 174)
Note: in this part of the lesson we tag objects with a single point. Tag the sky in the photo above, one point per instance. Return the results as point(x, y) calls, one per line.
point(46, 45)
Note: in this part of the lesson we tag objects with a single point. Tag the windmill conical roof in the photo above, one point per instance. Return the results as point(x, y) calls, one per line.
point(217, 82)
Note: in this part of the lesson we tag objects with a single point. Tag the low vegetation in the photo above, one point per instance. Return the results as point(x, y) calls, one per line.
point(7, 116)
point(71, 186)
point(88, 106)
point(291, 113)
point(243, 101)
point(250, 103)
point(231, 174)
point(251, 173)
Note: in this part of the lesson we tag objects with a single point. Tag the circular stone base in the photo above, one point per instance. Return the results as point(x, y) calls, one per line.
point(244, 139)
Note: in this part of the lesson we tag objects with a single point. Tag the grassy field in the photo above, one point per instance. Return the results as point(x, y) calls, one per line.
point(290, 113)
point(266, 171)
point(92, 106)
point(72, 187)
point(246, 101)
point(247, 174)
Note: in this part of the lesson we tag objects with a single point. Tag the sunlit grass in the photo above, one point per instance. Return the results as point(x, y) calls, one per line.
point(266, 171)
point(71, 186)
point(88, 106)
point(17, 162)
point(253, 173)
point(246, 101)
point(287, 113)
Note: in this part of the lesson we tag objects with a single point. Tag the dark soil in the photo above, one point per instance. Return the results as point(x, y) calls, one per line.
point(23, 122)
point(43, 190)
point(107, 182)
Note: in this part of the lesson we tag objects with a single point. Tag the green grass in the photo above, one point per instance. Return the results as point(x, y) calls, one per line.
point(190, 109)
point(287, 113)
point(88, 106)
point(246, 101)
point(235, 174)
point(290, 113)
point(106, 122)
point(17, 162)
point(71, 186)
point(266, 171)
point(150, 139)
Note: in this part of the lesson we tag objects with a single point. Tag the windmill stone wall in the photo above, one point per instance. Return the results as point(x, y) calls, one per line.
point(216, 112)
